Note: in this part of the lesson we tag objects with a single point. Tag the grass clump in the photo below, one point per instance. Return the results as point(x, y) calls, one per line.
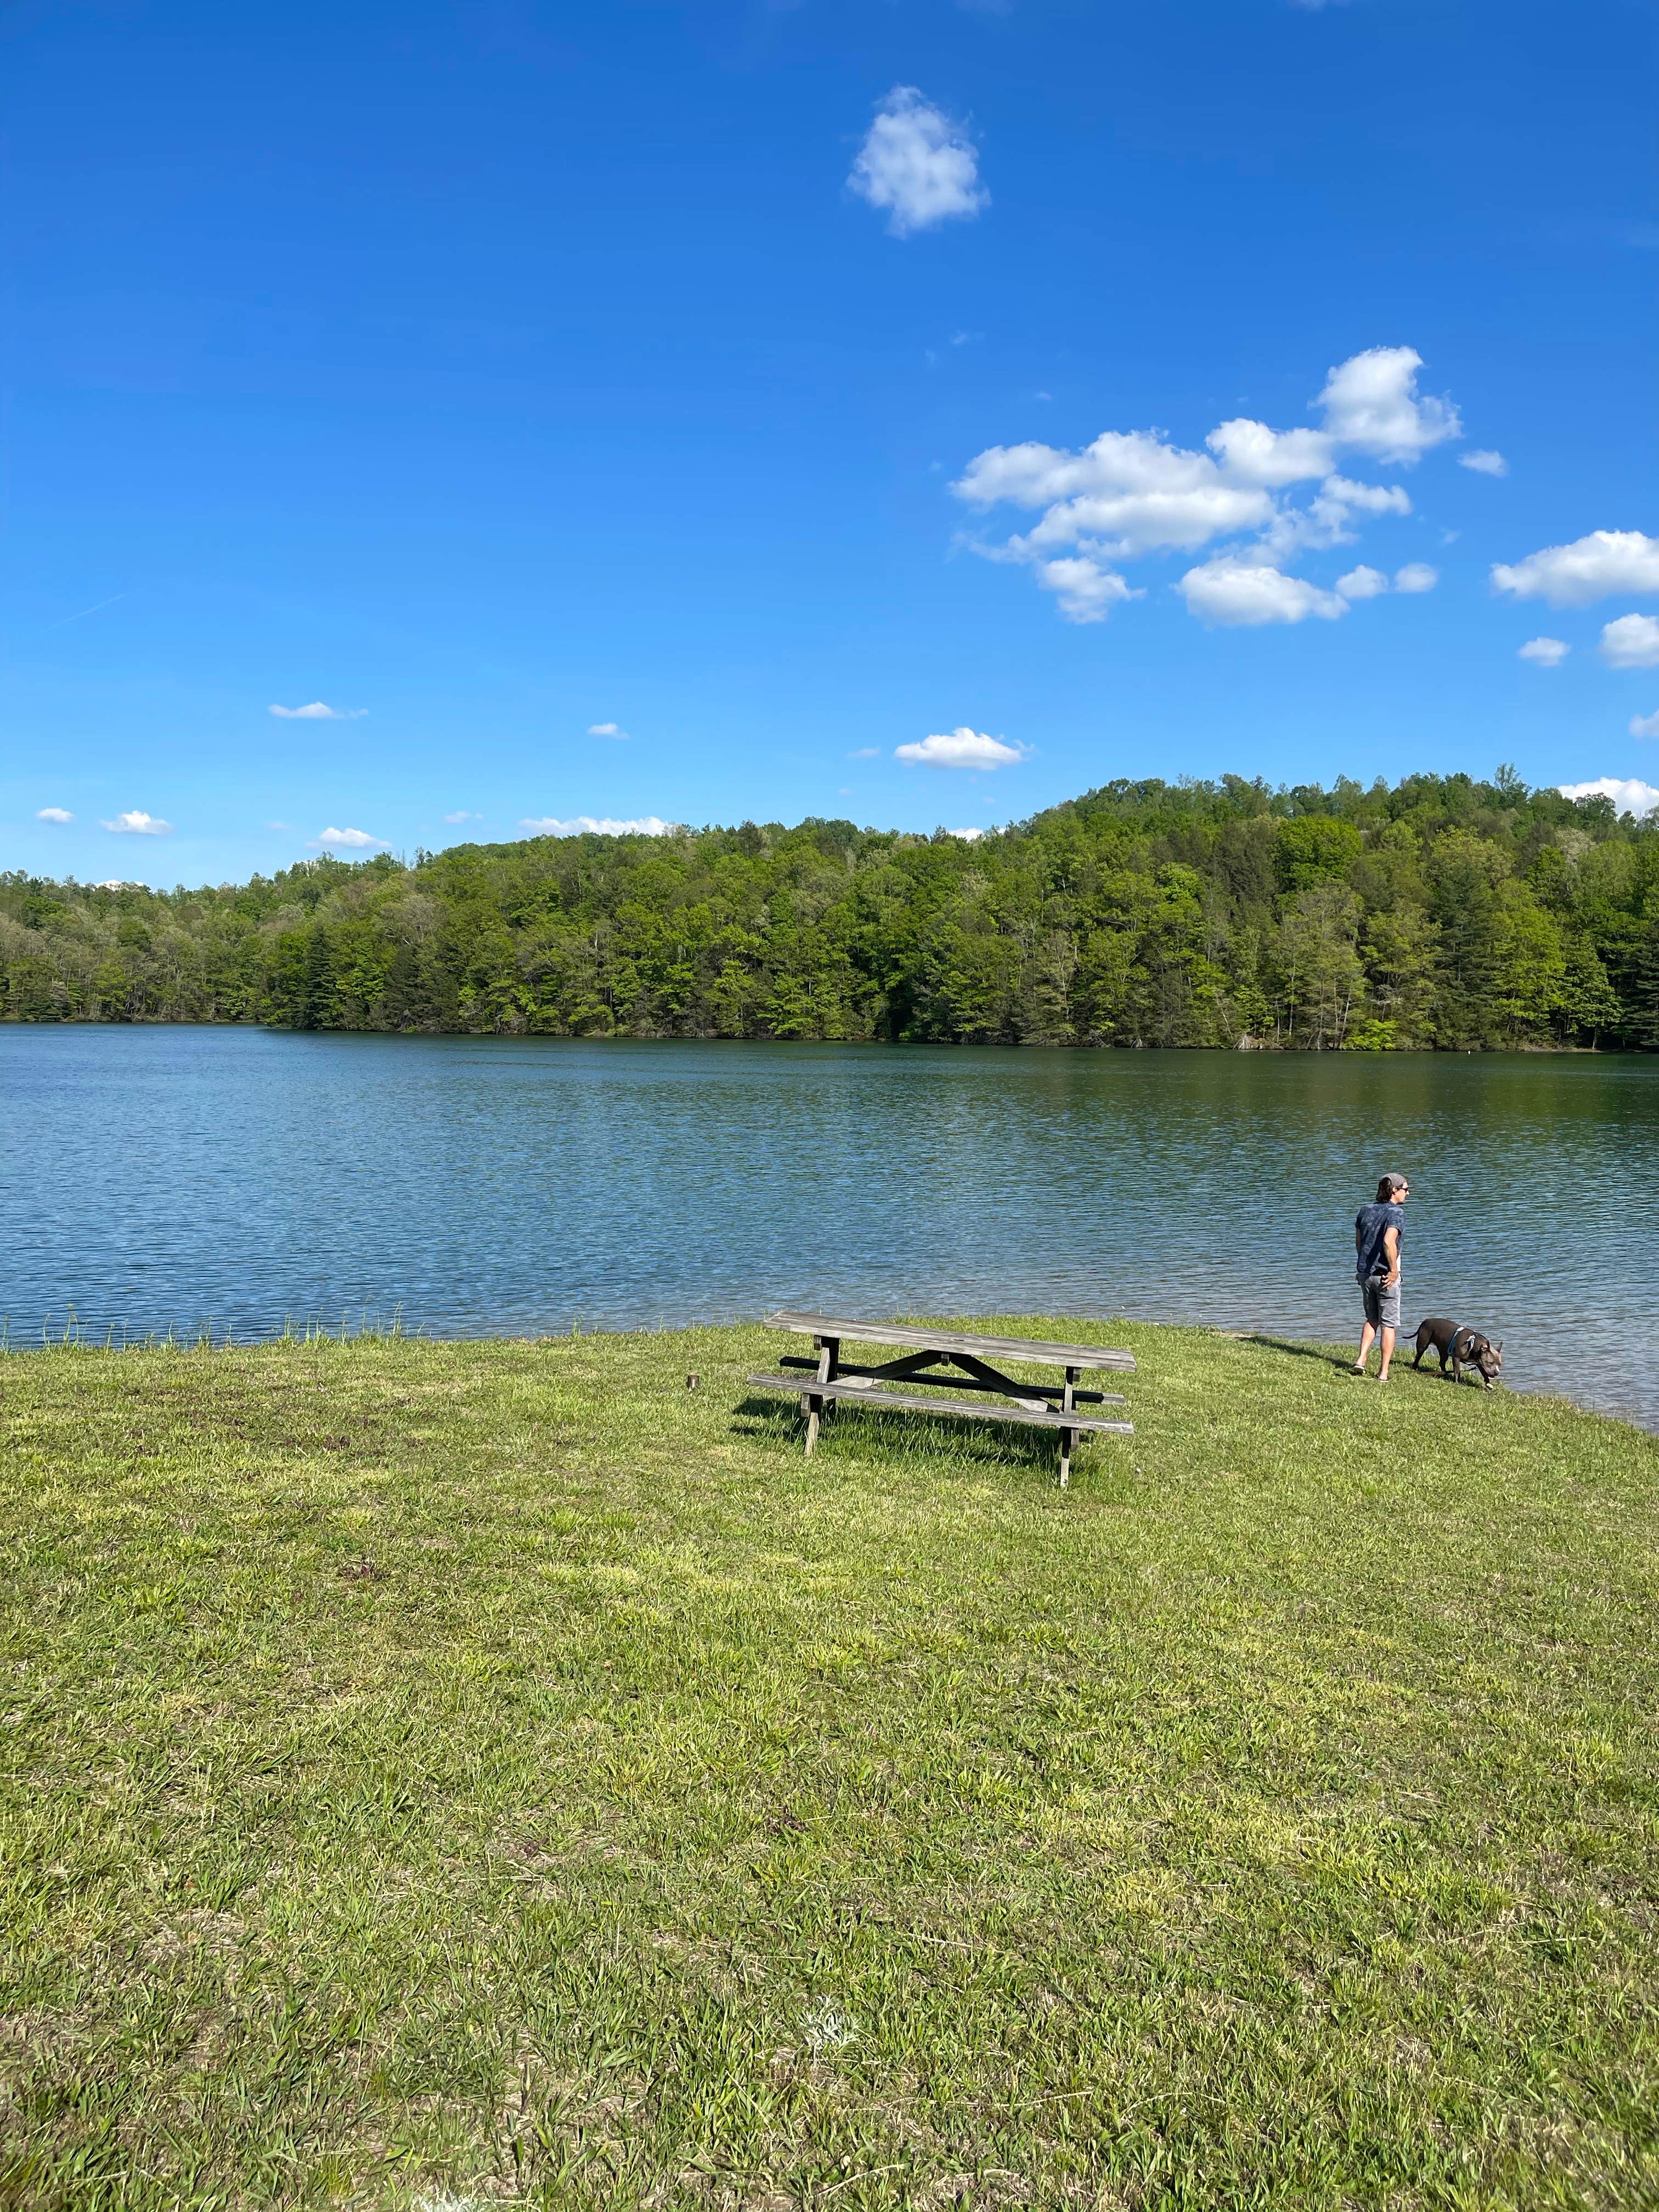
point(452, 1774)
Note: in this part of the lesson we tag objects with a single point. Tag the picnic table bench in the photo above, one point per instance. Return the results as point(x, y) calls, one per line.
point(830, 1379)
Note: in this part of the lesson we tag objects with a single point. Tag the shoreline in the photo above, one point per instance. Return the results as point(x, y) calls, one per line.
point(1334, 1349)
point(1530, 1049)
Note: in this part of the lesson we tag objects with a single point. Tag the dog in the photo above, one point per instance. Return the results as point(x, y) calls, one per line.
point(1463, 1347)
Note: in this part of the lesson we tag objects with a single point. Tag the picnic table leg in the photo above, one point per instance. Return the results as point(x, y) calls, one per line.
point(1068, 1436)
point(827, 1348)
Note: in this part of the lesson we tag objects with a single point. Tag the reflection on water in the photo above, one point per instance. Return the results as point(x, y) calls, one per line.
point(161, 1176)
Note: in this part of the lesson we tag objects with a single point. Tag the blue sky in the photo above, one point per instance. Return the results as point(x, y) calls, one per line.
point(690, 412)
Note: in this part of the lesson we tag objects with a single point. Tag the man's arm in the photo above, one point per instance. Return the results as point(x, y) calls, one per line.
point(1391, 1247)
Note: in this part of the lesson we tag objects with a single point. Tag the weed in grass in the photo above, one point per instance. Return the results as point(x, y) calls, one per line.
point(451, 1773)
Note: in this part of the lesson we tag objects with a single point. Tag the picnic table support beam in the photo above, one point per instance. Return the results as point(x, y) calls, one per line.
point(917, 1370)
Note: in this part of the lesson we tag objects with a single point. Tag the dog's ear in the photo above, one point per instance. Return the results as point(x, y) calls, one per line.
point(1498, 1347)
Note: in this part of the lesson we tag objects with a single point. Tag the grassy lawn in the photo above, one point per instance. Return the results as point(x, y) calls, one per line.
point(443, 1774)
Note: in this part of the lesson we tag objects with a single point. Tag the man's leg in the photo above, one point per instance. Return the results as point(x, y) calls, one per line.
point(1388, 1353)
point(1365, 1337)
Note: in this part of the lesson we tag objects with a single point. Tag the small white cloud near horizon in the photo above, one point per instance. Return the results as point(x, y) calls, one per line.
point(348, 840)
point(54, 814)
point(137, 823)
point(645, 825)
point(1483, 462)
point(1631, 641)
point(1544, 652)
point(964, 747)
point(608, 730)
point(463, 816)
point(917, 165)
point(971, 834)
point(1592, 567)
point(1645, 725)
point(1629, 795)
point(316, 712)
point(1362, 583)
point(1416, 576)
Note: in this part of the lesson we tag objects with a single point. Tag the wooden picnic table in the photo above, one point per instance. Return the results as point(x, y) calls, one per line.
point(830, 1379)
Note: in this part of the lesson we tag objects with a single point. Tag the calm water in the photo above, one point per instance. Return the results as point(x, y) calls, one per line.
point(162, 1176)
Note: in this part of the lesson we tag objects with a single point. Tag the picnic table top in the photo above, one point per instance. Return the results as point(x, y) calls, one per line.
point(1042, 1354)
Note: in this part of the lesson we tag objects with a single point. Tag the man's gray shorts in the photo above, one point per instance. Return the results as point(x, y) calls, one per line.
point(1382, 1302)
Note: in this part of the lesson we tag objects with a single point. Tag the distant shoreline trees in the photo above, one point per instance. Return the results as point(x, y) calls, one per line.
point(1442, 913)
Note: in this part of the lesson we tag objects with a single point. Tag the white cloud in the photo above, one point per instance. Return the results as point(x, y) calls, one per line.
point(1134, 493)
point(1544, 652)
point(139, 825)
point(1645, 725)
point(1085, 589)
point(463, 816)
point(54, 814)
point(1244, 595)
point(316, 712)
point(607, 729)
point(647, 825)
point(865, 752)
point(1483, 462)
point(917, 165)
point(348, 840)
point(1129, 493)
point(1371, 402)
point(1370, 499)
point(1416, 576)
point(971, 834)
point(1628, 794)
point(1631, 641)
point(279, 825)
point(1362, 583)
point(1323, 522)
point(1252, 453)
point(1591, 568)
point(960, 748)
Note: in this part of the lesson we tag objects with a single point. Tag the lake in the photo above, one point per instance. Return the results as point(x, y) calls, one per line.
point(171, 1177)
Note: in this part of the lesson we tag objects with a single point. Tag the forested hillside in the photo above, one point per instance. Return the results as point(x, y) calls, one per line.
point(1443, 913)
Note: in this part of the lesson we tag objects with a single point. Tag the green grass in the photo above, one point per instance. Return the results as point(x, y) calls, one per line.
point(446, 1773)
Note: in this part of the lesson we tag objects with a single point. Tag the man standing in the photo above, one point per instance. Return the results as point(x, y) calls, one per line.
point(1378, 1229)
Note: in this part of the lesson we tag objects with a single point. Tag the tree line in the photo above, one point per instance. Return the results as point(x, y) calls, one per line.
point(1442, 911)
